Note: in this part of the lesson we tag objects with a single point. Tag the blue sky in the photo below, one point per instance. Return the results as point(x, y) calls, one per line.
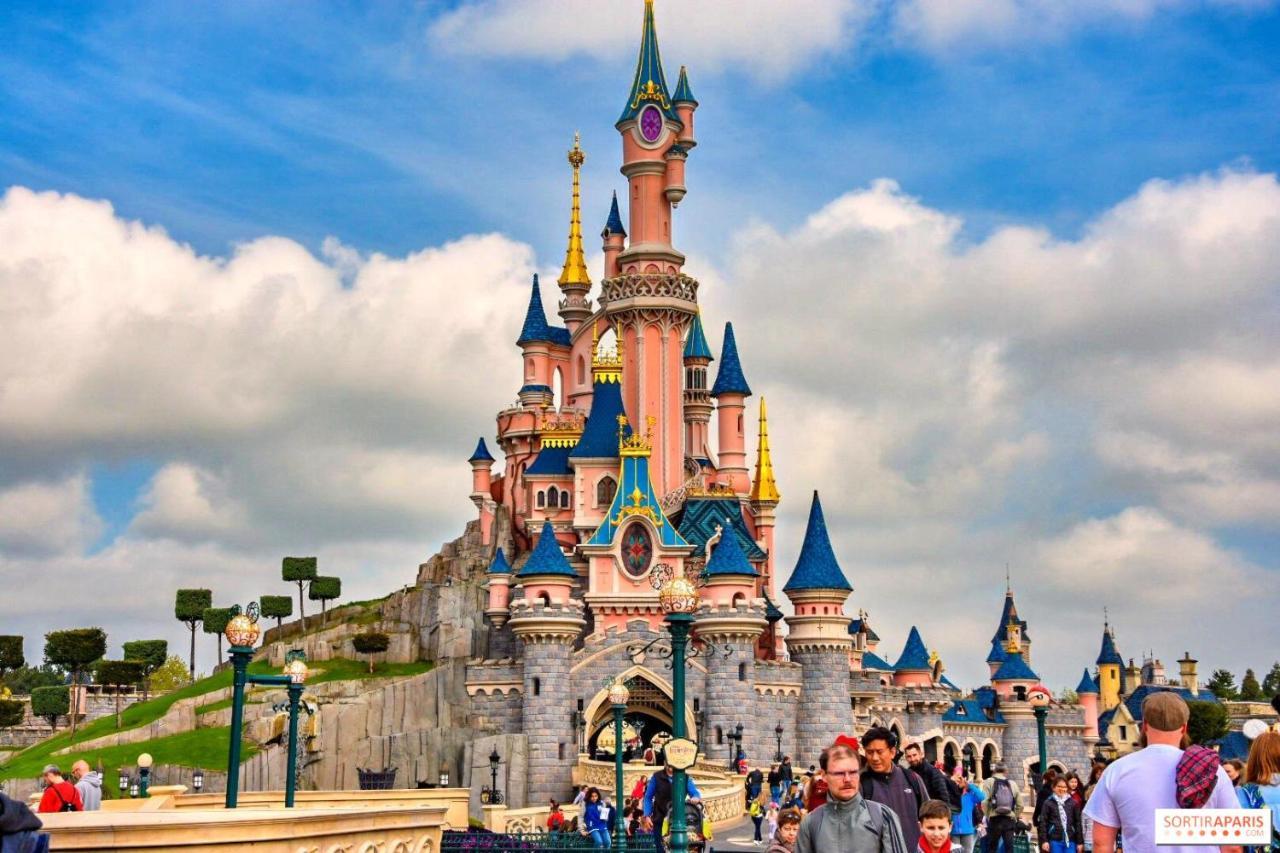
point(1022, 302)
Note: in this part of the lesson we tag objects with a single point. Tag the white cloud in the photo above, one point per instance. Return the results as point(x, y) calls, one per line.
point(48, 518)
point(183, 501)
point(765, 38)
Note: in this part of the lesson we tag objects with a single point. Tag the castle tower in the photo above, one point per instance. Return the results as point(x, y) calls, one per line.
point(1087, 695)
point(685, 104)
point(1008, 620)
point(731, 391)
point(613, 236)
point(697, 399)
point(764, 499)
point(914, 667)
point(481, 488)
point(594, 459)
point(538, 341)
point(547, 621)
point(1014, 677)
point(819, 640)
point(1132, 678)
point(1187, 673)
point(575, 282)
point(650, 298)
point(732, 619)
point(1109, 666)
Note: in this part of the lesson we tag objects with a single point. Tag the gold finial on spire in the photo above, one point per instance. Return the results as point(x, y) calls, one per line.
point(606, 366)
point(763, 487)
point(635, 444)
point(575, 262)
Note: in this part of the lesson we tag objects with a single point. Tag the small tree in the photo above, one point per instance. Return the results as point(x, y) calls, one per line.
point(150, 655)
point(172, 675)
point(302, 571)
point(12, 712)
point(10, 654)
point(24, 679)
point(215, 621)
point(278, 607)
point(1271, 684)
point(118, 674)
point(1250, 689)
point(75, 650)
point(324, 589)
point(1209, 721)
point(371, 643)
point(1222, 684)
point(189, 606)
point(51, 703)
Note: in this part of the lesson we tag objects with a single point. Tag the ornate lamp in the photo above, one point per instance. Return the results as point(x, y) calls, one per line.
point(297, 670)
point(124, 782)
point(618, 693)
point(444, 778)
point(144, 771)
point(678, 594)
point(495, 796)
point(197, 780)
point(1038, 698)
point(243, 631)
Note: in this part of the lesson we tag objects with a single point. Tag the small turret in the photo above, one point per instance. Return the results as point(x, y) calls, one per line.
point(730, 578)
point(1109, 665)
point(547, 573)
point(1014, 677)
point(685, 105)
point(697, 400)
point(915, 666)
point(575, 281)
point(614, 236)
point(1187, 673)
point(536, 341)
point(731, 390)
point(1087, 696)
point(499, 583)
point(481, 469)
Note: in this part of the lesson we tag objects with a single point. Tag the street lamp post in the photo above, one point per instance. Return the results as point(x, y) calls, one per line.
point(618, 696)
point(295, 670)
point(144, 774)
point(678, 598)
point(1039, 698)
point(495, 796)
point(735, 746)
point(777, 732)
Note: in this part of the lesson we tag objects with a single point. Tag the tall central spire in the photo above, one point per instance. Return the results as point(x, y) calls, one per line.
point(650, 83)
point(764, 488)
point(575, 262)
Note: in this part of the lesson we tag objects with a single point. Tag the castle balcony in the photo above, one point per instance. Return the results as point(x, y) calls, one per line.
point(649, 290)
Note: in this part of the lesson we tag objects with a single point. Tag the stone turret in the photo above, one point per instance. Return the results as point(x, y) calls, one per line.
point(731, 391)
point(1187, 673)
point(481, 489)
point(819, 640)
point(1109, 666)
point(1087, 696)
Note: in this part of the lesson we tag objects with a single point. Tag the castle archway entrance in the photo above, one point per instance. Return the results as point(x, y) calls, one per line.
point(648, 715)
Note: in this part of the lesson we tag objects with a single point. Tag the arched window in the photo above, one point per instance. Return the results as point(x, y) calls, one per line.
point(528, 369)
point(557, 387)
point(542, 500)
point(582, 370)
point(1020, 692)
point(560, 751)
point(739, 598)
point(544, 599)
point(605, 491)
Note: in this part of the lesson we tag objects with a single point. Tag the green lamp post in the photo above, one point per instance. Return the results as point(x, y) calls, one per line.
point(678, 598)
point(618, 696)
point(1039, 697)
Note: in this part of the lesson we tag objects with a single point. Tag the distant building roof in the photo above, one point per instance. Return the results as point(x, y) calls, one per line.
point(816, 567)
point(1133, 701)
point(855, 626)
point(1233, 745)
point(871, 660)
point(481, 454)
point(729, 378)
point(915, 655)
point(970, 711)
point(547, 558)
point(997, 654)
point(1086, 685)
point(1108, 654)
point(1015, 668)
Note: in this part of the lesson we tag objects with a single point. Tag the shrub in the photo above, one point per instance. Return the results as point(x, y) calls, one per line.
point(74, 650)
point(119, 673)
point(277, 607)
point(324, 589)
point(370, 644)
point(151, 655)
point(51, 703)
point(215, 621)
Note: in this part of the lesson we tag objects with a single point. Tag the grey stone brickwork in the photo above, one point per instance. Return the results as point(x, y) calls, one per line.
point(824, 710)
point(546, 720)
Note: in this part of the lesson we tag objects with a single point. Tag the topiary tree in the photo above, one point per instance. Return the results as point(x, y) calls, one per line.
point(302, 571)
point(371, 643)
point(278, 607)
point(172, 675)
point(1222, 684)
point(118, 674)
point(1271, 684)
point(75, 650)
point(1209, 721)
point(51, 703)
point(189, 606)
point(1250, 689)
point(10, 654)
point(24, 679)
point(324, 589)
point(150, 655)
point(215, 621)
point(12, 712)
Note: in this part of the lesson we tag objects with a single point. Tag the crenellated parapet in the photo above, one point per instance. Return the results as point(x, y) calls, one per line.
point(539, 622)
point(656, 290)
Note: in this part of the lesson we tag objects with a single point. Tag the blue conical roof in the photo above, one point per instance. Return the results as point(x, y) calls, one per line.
point(1087, 684)
point(997, 654)
point(481, 454)
point(695, 345)
point(915, 656)
point(536, 327)
point(614, 224)
point(600, 432)
point(1108, 654)
point(499, 566)
point(547, 558)
point(683, 94)
point(1007, 614)
point(727, 557)
point(729, 379)
point(1015, 668)
point(650, 84)
point(817, 567)
point(771, 612)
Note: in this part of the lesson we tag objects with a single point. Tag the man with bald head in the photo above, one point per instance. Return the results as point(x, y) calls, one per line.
point(89, 784)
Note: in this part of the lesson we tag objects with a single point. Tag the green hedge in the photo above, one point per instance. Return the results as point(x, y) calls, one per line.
point(11, 653)
point(12, 712)
point(189, 605)
point(296, 569)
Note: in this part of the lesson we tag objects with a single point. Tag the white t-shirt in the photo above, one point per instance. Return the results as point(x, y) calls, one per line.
point(1132, 788)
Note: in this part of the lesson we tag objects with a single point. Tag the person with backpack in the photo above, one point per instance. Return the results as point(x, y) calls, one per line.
point(59, 794)
point(849, 822)
point(965, 823)
point(884, 782)
point(1003, 805)
point(935, 781)
point(1261, 786)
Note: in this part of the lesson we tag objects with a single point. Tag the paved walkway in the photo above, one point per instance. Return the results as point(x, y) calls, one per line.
point(737, 836)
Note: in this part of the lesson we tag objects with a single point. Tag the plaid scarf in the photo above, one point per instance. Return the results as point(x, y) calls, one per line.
point(1196, 776)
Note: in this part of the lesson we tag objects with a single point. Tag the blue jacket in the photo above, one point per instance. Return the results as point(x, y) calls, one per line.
point(591, 817)
point(962, 823)
point(691, 790)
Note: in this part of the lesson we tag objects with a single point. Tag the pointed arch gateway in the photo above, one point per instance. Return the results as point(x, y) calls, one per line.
point(650, 698)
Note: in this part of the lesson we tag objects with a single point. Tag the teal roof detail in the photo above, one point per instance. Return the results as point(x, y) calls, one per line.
point(600, 433)
point(695, 345)
point(915, 656)
point(1087, 684)
point(699, 517)
point(499, 566)
point(551, 461)
point(1015, 668)
point(650, 84)
point(771, 612)
point(547, 558)
point(481, 454)
point(1108, 653)
point(871, 660)
point(729, 379)
point(636, 497)
point(816, 567)
point(536, 328)
point(614, 223)
point(683, 94)
point(727, 557)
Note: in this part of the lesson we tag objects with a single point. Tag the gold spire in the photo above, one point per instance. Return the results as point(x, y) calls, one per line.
point(763, 488)
point(606, 366)
point(575, 263)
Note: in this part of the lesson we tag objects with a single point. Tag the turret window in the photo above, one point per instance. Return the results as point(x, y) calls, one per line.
point(605, 491)
point(542, 500)
point(553, 498)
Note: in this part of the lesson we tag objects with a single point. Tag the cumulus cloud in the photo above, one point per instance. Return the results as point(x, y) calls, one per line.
point(764, 38)
point(44, 519)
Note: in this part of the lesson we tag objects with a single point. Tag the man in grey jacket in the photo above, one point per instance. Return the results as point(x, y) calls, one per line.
point(89, 784)
point(846, 822)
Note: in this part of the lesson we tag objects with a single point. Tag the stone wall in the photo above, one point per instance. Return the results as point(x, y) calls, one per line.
point(824, 710)
point(546, 719)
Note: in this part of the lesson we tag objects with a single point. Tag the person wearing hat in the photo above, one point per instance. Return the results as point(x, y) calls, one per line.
point(59, 794)
point(1159, 776)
